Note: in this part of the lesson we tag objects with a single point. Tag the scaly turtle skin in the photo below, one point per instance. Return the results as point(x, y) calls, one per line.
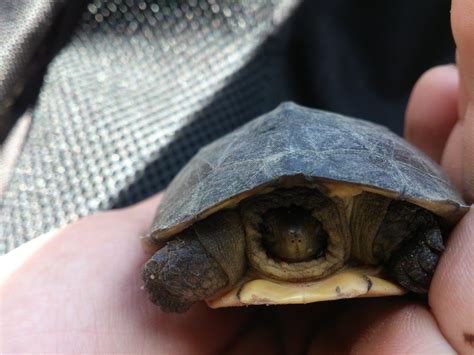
point(298, 206)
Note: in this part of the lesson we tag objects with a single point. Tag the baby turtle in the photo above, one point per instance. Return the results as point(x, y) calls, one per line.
point(298, 206)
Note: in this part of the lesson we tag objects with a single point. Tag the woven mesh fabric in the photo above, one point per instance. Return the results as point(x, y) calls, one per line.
point(23, 24)
point(136, 76)
point(141, 85)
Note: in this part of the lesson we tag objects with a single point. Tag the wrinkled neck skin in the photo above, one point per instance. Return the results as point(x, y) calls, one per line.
point(305, 234)
point(295, 234)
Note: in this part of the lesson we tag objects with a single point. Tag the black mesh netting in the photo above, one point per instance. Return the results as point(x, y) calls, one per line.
point(132, 88)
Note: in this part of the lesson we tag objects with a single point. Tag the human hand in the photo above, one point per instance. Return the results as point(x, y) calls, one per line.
point(440, 121)
point(78, 289)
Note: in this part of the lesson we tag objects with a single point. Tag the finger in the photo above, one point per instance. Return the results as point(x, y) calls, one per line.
point(259, 335)
point(143, 212)
point(81, 286)
point(452, 290)
point(296, 324)
point(380, 326)
point(432, 110)
point(462, 23)
point(452, 160)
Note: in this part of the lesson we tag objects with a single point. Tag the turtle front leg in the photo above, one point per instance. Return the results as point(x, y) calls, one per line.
point(414, 262)
point(411, 243)
point(197, 264)
point(181, 274)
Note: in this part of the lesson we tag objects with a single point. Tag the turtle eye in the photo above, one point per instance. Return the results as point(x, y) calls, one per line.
point(267, 233)
point(269, 240)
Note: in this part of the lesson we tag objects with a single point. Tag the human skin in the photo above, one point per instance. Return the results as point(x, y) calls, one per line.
point(78, 289)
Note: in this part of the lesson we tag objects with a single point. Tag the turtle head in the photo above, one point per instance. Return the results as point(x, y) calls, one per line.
point(293, 234)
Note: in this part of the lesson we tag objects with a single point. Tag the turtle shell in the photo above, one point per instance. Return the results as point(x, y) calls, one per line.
point(313, 145)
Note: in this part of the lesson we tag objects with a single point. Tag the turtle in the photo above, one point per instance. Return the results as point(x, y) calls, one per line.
point(297, 206)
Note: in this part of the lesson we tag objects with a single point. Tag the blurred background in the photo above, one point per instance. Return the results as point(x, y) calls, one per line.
point(102, 102)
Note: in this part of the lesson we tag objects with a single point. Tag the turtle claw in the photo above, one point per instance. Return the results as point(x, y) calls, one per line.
point(414, 262)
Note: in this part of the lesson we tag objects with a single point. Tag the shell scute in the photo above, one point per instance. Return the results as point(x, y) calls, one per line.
point(298, 141)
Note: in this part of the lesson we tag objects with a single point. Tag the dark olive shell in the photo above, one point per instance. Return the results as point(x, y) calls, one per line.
point(313, 145)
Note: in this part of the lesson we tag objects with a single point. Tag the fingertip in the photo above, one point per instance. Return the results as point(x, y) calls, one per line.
point(143, 212)
point(150, 202)
point(432, 110)
point(462, 25)
point(452, 159)
point(381, 326)
point(468, 154)
point(452, 289)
